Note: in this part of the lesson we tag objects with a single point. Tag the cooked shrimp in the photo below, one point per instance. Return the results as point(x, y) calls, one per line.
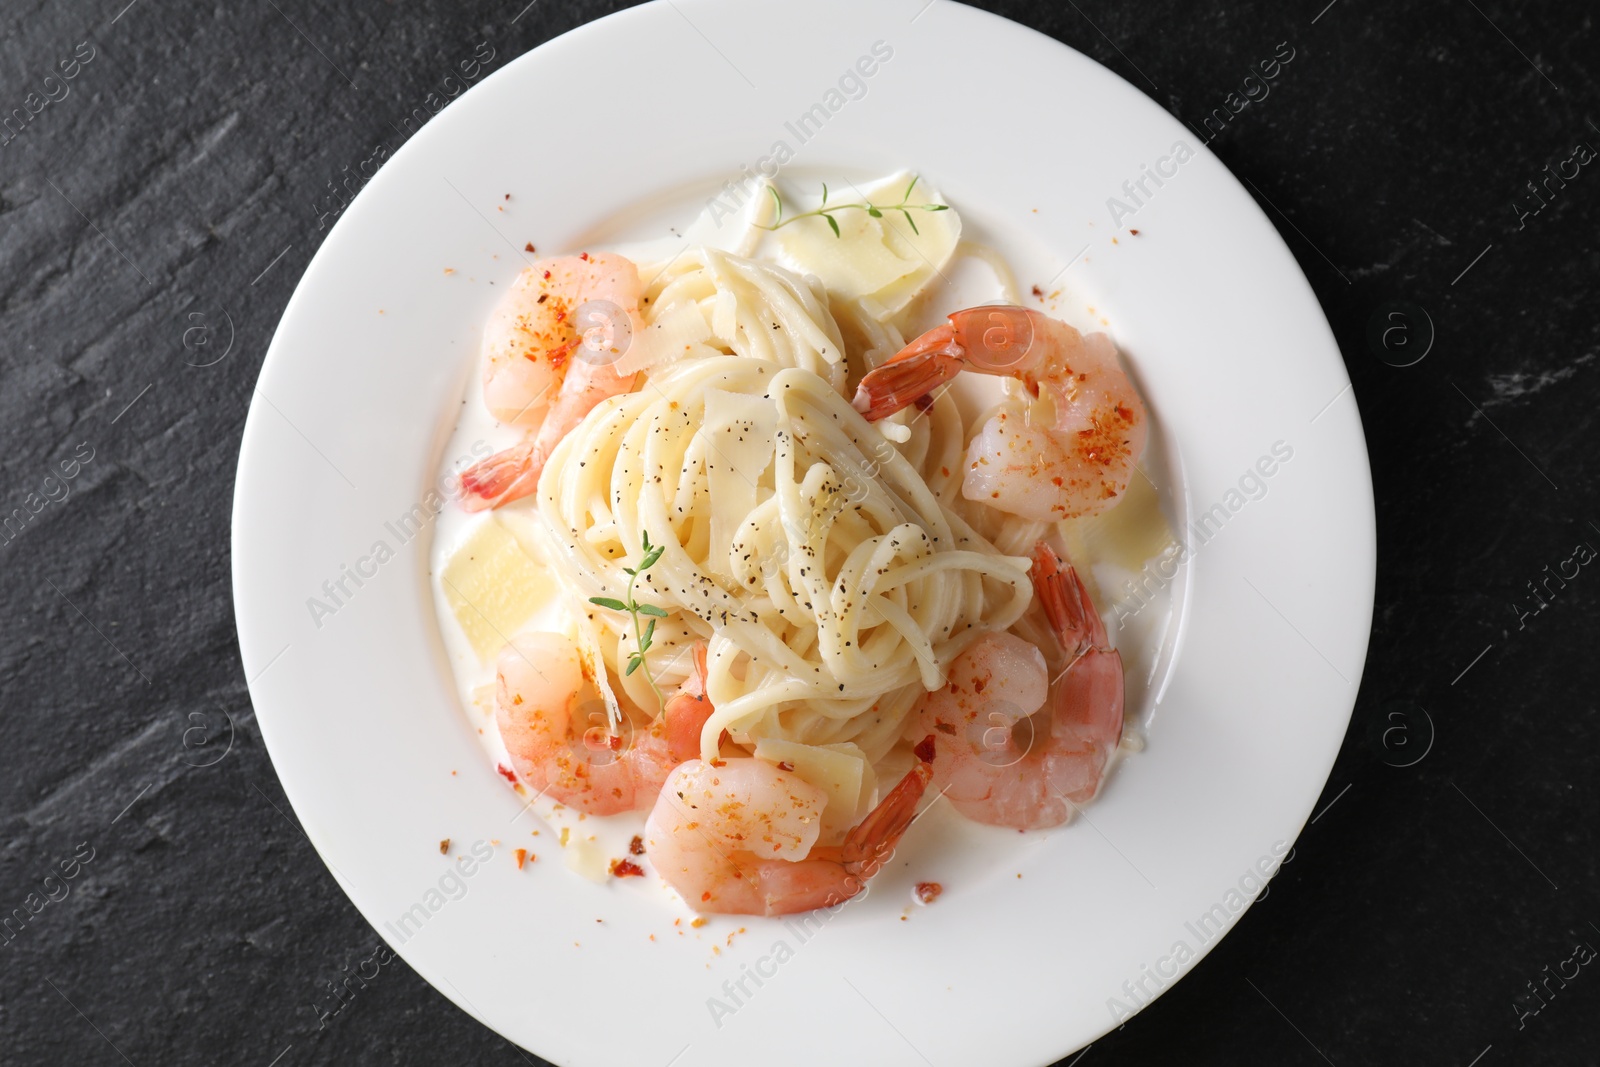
point(1068, 451)
point(1015, 748)
point(541, 680)
point(564, 322)
point(738, 835)
point(532, 333)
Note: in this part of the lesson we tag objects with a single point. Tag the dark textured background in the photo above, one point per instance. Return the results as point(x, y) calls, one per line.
point(175, 189)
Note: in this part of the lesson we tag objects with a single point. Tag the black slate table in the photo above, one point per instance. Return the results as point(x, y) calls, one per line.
point(164, 179)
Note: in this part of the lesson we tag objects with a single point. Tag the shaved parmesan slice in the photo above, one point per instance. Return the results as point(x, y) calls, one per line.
point(679, 331)
point(586, 857)
point(493, 587)
point(883, 262)
point(593, 663)
point(869, 777)
point(840, 771)
point(741, 434)
point(725, 313)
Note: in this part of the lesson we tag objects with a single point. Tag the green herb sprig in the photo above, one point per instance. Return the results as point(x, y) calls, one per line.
point(905, 207)
point(642, 638)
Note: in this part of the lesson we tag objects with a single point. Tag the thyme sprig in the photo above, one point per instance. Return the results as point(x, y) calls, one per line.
point(905, 207)
point(642, 638)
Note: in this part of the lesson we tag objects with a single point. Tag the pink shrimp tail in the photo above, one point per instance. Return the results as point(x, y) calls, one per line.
point(688, 711)
point(991, 339)
point(1066, 603)
point(869, 846)
point(1090, 693)
point(910, 374)
point(502, 477)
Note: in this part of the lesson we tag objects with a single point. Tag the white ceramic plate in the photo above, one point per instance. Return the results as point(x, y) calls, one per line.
point(1019, 963)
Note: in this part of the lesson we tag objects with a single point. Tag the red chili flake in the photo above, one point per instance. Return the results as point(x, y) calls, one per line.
point(977, 685)
point(529, 247)
point(542, 298)
point(444, 846)
point(925, 749)
point(703, 898)
point(508, 196)
point(785, 765)
point(521, 855)
point(1134, 232)
point(626, 869)
point(928, 892)
point(636, 846)
point(505, 772)
point(924, 402)
point(1038, 293)
point(547, 275)
point(584, 256)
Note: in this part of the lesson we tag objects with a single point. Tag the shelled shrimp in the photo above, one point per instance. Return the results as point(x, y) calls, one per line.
point(559, 332)
point(1015, 748)
point(738, 835)
point(541, 679)
point(1068, 451)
